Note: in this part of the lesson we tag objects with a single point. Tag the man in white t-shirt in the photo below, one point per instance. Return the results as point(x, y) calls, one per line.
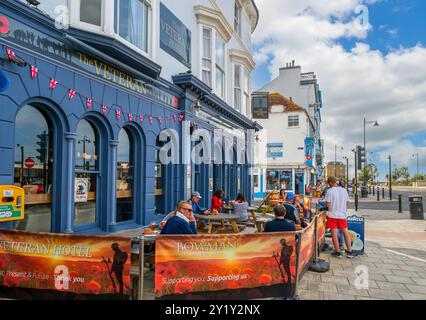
point(337, 200)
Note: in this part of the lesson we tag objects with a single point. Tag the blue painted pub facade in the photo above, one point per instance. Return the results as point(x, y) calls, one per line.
point(87, 112)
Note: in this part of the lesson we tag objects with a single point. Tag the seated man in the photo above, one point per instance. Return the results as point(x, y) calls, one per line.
point(196, 209)
point(293, 214)
point(280, 224)
point(183, 222)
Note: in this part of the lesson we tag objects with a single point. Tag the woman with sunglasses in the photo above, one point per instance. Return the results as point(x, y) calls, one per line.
point(183, 222)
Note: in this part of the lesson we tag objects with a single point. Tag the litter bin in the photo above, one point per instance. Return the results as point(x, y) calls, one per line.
point(364, 192)
point(416, 207)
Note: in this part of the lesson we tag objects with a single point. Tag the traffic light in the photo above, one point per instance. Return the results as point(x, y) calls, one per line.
point(360, 151)
point(42, 151)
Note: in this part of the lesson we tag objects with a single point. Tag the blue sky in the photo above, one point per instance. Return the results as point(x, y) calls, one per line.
point(395, 24)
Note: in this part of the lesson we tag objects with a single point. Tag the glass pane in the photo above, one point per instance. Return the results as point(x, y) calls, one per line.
point(237, 78)
point(86, 147)
point(133, 22)
point(33, 168)
point(85, 212)
point(219, 82)
point(220, 52)
point(207, 43)
point(91, 12)
point(272, 180)
point(237, 99)
point(286, 180)
point(207, 78)
point(125, 169)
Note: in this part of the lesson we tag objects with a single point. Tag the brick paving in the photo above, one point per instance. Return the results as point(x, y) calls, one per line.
point(395, 260)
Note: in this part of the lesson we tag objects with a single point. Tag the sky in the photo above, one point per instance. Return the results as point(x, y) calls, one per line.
point(370, 60)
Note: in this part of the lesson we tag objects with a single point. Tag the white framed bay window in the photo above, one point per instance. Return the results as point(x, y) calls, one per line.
point(241, 91)
point(213, 60)
point(132, 20)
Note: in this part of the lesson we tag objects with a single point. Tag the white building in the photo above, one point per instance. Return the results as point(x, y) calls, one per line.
point(292, 147)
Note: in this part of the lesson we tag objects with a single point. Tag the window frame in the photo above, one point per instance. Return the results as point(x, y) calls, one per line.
point(215, 36)
point(291, 123)
point(211, 59)
point(149, 36)
point(90, 25)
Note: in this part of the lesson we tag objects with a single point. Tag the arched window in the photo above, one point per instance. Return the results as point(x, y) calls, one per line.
point(87, 174)
point(33, 168)
point(125, 177)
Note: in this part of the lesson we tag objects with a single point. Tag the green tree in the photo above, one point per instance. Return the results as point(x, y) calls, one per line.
point(371, 173)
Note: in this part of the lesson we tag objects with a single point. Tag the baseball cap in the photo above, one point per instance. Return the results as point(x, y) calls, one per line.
point(196, 194)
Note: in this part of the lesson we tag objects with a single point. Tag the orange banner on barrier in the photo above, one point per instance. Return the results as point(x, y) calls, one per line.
point(307, 248)
point(74, 264)
point(225, 266)
point(321, 229)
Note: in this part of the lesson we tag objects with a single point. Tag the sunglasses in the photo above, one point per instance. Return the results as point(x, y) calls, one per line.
point(190, 210)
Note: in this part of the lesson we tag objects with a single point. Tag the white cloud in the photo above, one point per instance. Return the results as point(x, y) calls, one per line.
point(357, 83)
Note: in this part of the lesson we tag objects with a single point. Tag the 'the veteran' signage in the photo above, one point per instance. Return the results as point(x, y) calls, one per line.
point(175, 38)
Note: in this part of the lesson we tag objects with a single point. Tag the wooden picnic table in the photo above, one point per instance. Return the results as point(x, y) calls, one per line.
point(232, 219)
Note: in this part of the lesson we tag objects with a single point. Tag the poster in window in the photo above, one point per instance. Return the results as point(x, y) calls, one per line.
point(81, 189)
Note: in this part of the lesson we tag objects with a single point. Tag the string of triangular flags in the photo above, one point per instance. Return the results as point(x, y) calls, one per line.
point(90, 103)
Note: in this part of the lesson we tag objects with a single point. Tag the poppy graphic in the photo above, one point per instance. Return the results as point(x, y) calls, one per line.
point(265, 279)
point(181, 288)
point(93, 287)
point(4, 25)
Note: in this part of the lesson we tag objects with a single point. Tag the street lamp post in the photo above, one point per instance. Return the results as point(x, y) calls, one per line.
point(375, 124)
point(356, 180)
point(390, 177)
point(347, 172)
point(335, 158)
point(417, 172)
point(22, 163)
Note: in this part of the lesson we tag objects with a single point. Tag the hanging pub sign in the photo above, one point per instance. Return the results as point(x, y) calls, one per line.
point(175, 38)
point(260, 103)
point(34, 40)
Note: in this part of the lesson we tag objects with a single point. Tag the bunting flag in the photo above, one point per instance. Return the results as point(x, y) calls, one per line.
point(33, 72)
point(89, 103)
point(53, 84)
point(71, 94)
point(10, 53)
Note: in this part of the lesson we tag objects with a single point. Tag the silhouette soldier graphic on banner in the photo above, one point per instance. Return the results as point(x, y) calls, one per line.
point(117, 267)
point(286, 252)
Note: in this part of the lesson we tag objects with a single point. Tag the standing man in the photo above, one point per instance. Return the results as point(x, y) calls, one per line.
point(337, 199)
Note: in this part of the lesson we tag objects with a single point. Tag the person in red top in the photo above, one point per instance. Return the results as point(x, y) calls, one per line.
point(216, 202)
